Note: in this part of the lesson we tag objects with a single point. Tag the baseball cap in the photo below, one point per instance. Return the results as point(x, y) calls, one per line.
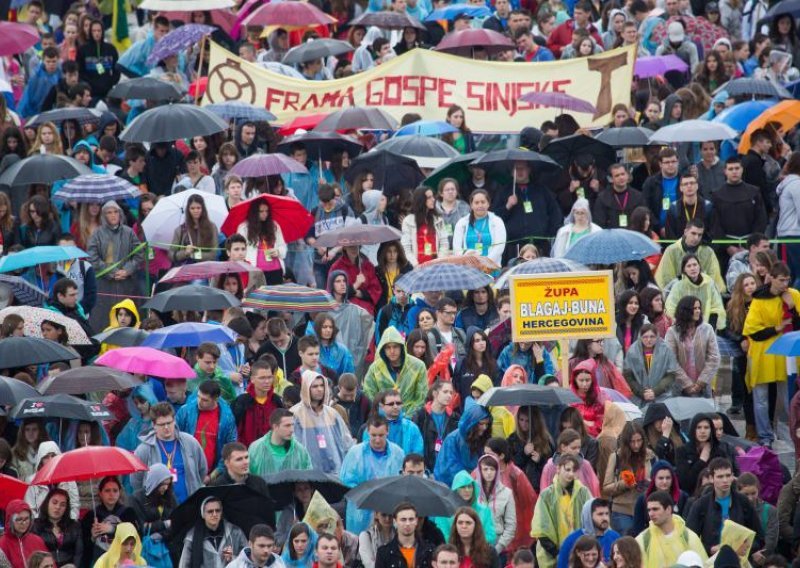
point(676, 32)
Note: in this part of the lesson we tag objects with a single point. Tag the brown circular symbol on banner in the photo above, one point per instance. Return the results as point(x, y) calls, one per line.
point(234, 83)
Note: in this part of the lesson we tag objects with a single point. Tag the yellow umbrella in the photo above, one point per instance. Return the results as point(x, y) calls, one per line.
point(786, 113)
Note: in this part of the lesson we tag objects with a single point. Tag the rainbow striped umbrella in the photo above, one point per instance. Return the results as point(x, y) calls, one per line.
point(293, 297)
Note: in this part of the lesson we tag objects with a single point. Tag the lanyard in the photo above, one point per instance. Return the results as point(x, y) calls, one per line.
point(170, 455)
point(686, 211)
point(624, 204)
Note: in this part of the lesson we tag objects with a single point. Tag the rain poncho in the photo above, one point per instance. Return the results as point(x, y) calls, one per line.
point(592, 413)
point(355, 325)
point(361, 464)
point(111, 559)
point(323, 433)
point(36, 494)
point(305, 561)
point(134, 59)
point(500, 501)
point(658, 375)
point(606, 540)
point(404, 433)
point(371, 216)
point(455, 454)
point(705, 291)
point(444, 524)
point(557, 514)
point(127, 304)
point(658, 550)
point(264, 460)
point(335, 355)
point(502, 420)
point(137, 425)
point(410, 379)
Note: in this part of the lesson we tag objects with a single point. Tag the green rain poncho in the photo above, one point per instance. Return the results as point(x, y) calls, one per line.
point(549, 520)
point(411, 379)
point(462, 479)
point(265, 459)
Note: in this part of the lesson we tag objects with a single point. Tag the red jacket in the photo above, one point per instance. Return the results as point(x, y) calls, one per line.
point(370, 291)
point(19, 548)
point(252, 418)
point(561, 37)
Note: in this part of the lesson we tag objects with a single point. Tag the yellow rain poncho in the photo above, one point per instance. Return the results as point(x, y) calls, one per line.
point(111, 559)
point(660, 551)
point(556, 515)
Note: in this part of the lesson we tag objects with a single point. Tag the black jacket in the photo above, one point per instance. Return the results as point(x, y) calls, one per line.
point(389, 555)
point(542, 222)
point(92, 57)
point(288, 361)
point(70, 551)
point(678, 212)
point(427, 426)
point(609, 205)
point(739, 210)
point(50, 101)
point(705, 519)
point(653, 194)
point(688, 462)
point(162, 171)
point(150, 517)
point(533, 470)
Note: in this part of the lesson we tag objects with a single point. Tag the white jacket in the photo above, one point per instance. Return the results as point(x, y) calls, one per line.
point(497, 229)
point(561, 245)
point(252, 250)
point(409, 239)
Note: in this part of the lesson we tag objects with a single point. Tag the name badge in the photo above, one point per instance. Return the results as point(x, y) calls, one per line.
point(100, 68)
point(581, 193)
point(151, 254)
point(528, 206)
point(197, 255)
point(428, 249)
point(174, 473)
point(479, 248)
point(623, 220)
point(438, 445)
point(321, 442)
point(665, 203)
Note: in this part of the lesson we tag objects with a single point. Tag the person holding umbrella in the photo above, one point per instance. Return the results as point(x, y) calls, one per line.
point(196, 238)
point(424, 235)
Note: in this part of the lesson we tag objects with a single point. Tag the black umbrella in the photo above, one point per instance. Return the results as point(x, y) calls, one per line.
point(387, 20)
point(61, 406)
point(146, 88)
point(505, 160)
point(322, 145)
point(456, 168)
point(565, 150)
point(13, 391)
point(88, 379)
point(122, 336)
point(282, 485)
point(357, 118)
point(316, 49)
point(417, 145)
point(44, 169)
point(82, 114)
point(193, 297)
point(528, 395)
point(23, 351)
point(241, 505)
point(755, 88)
point(684, 408)
point(171, 122)
point(626, 137)
point(431, 498)
point(393, 173)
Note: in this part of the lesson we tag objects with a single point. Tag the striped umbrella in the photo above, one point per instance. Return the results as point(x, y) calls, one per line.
point(483, 263)
point(97, 188)
point(34, 317)
point(442, 277)
point(540, 266)
point(26, 293)
point(292, 297)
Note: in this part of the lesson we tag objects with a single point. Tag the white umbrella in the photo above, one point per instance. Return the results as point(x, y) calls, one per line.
point(33, 317)
point(170, 212)
point(282, 69)
point(693, 131)
point(186, 5)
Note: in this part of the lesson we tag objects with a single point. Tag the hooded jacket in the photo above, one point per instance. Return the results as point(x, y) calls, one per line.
point(502, 419)
point(265, 461)
point(19, 547)
point(35, 495)
point(687, 457)
point(455, 454)
point(244, 560)
point(430, 434)
point(409, 378)
point(322, 432)
point(592, 412)
point(500, 501)
point(662, 446)
point(127, 304)
point(640, 519)
point(402, 431)
point(37, 88)
point(444, 524)
point(111, 559)
point(109, 245)
point(368, 295)
point(151, 512)
point(97, 66)
point(194, 460)
point(252, 417)
point(606, 540)
point(231, 536)
point(355, 325)
point(188, 416)
point(658, 376)
point(558, 512)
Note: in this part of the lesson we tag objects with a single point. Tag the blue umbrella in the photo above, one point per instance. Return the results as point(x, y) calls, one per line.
point(740, 116)
point(794, 88)
point(237, 110)
point(189, 335)
point(454, 11)
point(610, 246)
point(426, 128)
point(97, 188)
point(26, 293)
point(178, 40)
point(787, 344)
point(540, 266)
point(438, 277)
point(39, 255)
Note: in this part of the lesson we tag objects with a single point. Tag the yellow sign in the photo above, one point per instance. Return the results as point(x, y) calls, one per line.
point(562, 305)
point(428, 82)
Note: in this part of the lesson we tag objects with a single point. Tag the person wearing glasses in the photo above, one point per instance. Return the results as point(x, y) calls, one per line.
point(402, 431)
point(444, 331)
point(213, 542)
point(179, 451)
point(18, 542)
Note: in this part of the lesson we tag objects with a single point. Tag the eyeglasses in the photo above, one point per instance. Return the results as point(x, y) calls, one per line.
point(213, 511)
point(164, 424)
point(449, 313)
point(393, 403)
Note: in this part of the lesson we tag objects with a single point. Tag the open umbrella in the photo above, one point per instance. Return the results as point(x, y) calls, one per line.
point(186, 5)
point(204, 270)
point(43, 169)
point(564, 150)
point(561, 101)
point(97, 188)
point(740, 116)
point(443, 277)
point(646, 67)
point(505, 159)
point(170, 212)
point(305, 122)
point(749, 87)
point(686, 407)
point(240, 110)
point(62, 406)
point(146, 361)
point(482, 263)
point(82, 115)
point(456, 168)
point(146, 88)
point(790, 7)
point(322, 145)
point(192, 297)
point(282, 485)
point(16, 37)
point(626, 136)
point(189, 334)
point(430, 498)
point(693, 131)
point(289, 297)
point(290, 215)
point(387, 20)
point(261, 165)
point(357, 235)
point(300, 14)
point(242, 506)
point(427, 152)
point(11, 488)
point(357, 118)
point(426, 128)
point(24, 351)
point(82, 380)
point(39, 255)
point(452, 12)
point(13, 391)
point(785, 113)
point(90, 462)
point(610, 246)
point(34, 317)
point(25, 293)
point(316, 49)
point(122, 336)
point(171, 122)
point(528, 395)
point(393, 173)
point(465, 42)
point(178, 40)
point(539, 266)
point(787, 345)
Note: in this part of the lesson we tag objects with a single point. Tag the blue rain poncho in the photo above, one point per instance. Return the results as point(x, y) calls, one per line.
point(404, 433)
point(444, 524)
point(455, 454)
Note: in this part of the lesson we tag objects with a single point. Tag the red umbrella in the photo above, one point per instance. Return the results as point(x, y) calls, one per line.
point(16, 37)
point(293, 219)
point(288, 13)
point(306, 122)
point(90, 462)
point(465, 42)
point(11, 488)
point(202, 270)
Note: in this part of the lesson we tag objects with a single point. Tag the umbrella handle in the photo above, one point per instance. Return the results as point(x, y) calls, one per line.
point(199, 68)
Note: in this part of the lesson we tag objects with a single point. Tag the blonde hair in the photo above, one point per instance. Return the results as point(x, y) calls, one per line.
point(55, 148)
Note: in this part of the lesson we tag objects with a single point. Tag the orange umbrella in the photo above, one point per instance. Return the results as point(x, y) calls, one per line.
point(786, 113)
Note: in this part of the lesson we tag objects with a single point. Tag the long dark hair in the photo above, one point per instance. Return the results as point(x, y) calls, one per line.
point(42, 206)
point(402, 260)
point(684, 316)
point(538, 434)
point(256, 230)
point(319, 321)
point(626, 457)
point(475, 441)
point(422, 215)
point(205, 228)
point(43, 521)
point(480, 554)
point(489, 366)
point(471, 197)
point(585, 543)
point(622, 309)
point(645, 275)
point(413, 337)
point(573, 416)
point(22, 143)
point(297, 530)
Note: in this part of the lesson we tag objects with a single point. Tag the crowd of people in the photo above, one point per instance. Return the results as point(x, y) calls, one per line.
point(388, 382)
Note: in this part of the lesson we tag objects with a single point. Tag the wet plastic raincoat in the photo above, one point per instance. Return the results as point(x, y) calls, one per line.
point(410, 379)
point(557, 514)
point(444, 524)
point(657, 550)
point(111, 559)
point(264, 461)
point(455, 454)
point(500, 501)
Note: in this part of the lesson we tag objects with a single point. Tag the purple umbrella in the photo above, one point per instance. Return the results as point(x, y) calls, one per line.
point(177, 40)
point(262, 165)
point(561, 101)
point(651, 66)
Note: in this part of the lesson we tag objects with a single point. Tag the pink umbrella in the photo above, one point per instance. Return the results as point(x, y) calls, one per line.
point(16, 38)
point(146, 361)
point(222, 18)
point(466, 41)
point(561, 101)
point(288, 13)
point(202, 270)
